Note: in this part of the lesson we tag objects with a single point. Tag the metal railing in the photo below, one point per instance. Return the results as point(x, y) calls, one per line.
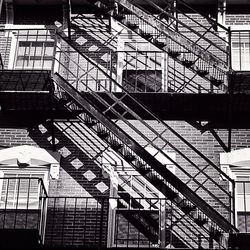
point(119, 222)
point(23, 204)
point(77, 221)
point(182, 232)
point(83, 75)
point(195, 45)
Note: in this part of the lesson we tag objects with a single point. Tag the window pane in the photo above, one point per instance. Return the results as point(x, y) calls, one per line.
point(240, 51)
point(38, 54)
point(21, 191)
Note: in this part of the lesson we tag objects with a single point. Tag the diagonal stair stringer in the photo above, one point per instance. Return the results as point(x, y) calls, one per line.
point(143, 154)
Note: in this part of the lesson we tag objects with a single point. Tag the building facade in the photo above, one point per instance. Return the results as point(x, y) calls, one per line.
point(124, 124)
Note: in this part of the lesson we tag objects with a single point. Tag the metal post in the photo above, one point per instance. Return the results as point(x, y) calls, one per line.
point(233, 203)
point(1, 5)
point(69, 18)
point(231, 91)
point(51, 93)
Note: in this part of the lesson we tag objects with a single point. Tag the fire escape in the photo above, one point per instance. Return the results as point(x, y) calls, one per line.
point(198, 61)
point(110, 111)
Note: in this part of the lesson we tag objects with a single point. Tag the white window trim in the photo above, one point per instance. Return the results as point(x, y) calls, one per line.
point(14, 45)
point(31, 160)
point(238, 28)
point(26, 156)
point(236, 163)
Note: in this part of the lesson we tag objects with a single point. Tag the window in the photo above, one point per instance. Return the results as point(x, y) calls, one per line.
point(240, 50)
point(31, 48)
point(20, 190)
point(21, 167)
point(243, 202)
point(236, 165)
point(142, 70)
point(34, 54)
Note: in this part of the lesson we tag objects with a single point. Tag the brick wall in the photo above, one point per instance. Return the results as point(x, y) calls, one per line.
point(237, 19)
point(80, 173)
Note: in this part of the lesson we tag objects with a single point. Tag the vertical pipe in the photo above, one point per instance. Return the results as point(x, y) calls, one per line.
point(69, 18)
point(233, 202)
point(51, 92)
point(231, 90)
point(17, 199)
point(229, 48)
point(245, 204)
point(6, 201)
point(27, 204)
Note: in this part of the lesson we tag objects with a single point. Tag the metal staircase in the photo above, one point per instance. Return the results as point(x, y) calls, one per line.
point(198, 51)
point(87, 87)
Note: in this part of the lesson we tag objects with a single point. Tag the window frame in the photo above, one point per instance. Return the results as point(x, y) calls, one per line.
point(246, 29)
point(236, 164)
point(41, 59)
point(10, 30)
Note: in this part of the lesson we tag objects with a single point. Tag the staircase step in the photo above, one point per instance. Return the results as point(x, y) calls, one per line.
point(103, 134)
point(119, 17)
point(202, 72)
point(132, 26)
point(156, 180)
point(200, 221)
point(186, 206)
point(215, 234)
point(115, 145)
point(129, 157)
point(159, 44)
point(89, 122)
point(146, 35)
point(170, 194)
point(216, 82)
point(187, 63)
point(174, 54)
point(142, 168)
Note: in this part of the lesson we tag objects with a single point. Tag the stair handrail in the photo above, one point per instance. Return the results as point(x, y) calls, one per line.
point(188, 27)
point(147, 157)
point(174, 162)
point(91, 62)
point(190, 81)
point(150, 112)
point(205, 16)
point(211, 56)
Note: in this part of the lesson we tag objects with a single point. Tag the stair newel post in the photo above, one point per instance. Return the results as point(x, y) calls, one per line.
point(110, 70)
point(229, 49)
point(164, 67)
point(233, 202)
point(52, 93)
point(162, 221)
point(52, 109)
